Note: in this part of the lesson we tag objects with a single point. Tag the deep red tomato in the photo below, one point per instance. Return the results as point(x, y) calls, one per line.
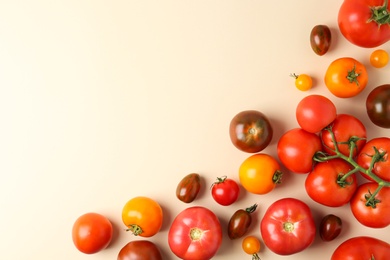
point(314, 112)
point(371, 211)
point(188, 188)
point(365, 23)
point(91, 233)
point(240, 222)
point(379, 148)
point(378, 106)
point(320, 39)
point(225, 191)
point(324, 184)
point(288, 226)
point(296, 149)
point(362, 247)
point(250, 131)
point(330, 227)
point(140, 250)
point(195, 234)
point(345, 128)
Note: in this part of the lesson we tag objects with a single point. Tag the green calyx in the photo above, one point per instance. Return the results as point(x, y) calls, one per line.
point(135, 229)
point(380, 14)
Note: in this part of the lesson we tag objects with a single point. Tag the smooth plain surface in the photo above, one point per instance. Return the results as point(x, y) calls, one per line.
point(102, 101)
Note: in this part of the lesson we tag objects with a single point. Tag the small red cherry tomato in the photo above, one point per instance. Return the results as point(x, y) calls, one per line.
point(225, 191)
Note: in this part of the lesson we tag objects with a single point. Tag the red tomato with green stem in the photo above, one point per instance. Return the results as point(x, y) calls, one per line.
point(332, 183)
point(91, 233)
point(240, 222)
point(225, 191)
point(140, 250)
point(195, 234)
point(362, 247)
point(371, 205)
point(288, 226)
point(365, 23)
point(296, 149)
point(314, 112)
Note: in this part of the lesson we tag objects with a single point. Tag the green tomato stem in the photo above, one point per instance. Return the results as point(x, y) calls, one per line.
point(251, 209)
point(380, 14)
point(135, 229)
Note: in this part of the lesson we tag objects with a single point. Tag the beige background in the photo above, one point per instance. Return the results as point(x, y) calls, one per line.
point(101, 101)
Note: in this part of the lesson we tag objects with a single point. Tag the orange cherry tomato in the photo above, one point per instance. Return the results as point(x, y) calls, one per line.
point(143, 216)
point(251, 245)
point(346, 77)
point(379, 58)
point(260, 173)
point(303, 82)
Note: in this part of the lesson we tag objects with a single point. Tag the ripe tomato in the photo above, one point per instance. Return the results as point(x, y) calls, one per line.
point(143, 216)
point(260, 173)
point(370, 209)
point(330, 227)
point(288, 226)
point(188, 188)
point(302, 81)
point(365, 23)
point(296, 149)
point(379, 58)
point(376, 149)
point(320, 39)
point(314, 112)
point(362, 247)
point(378, 106)
point(325, 184)
point(225, 191)
point(346, 77)
point(140, 250)
point(240, 222)
point(195, 234)
point(92, 233)
point(250, 131)
point(345, 128)
point(251, 245)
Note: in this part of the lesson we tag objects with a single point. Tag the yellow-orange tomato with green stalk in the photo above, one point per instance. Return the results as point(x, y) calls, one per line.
point(251, 245)
point(379, 58)
point(303, 82)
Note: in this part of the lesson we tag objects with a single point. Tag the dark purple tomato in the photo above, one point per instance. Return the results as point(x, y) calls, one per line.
point(250, 131)
point(188, 188)
point(378, 106)
point(240, 222)
point(140, 250)
point(320, 39)
point(330, 227)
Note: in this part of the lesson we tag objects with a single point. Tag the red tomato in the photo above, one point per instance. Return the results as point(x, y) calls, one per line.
point(92, 233)
point(288, 226)
point(195, 234)
point(362, 247)
point(376, 149)
point(345, 128)
point(325, 184)
point(225, 191)
point(296, 149)
point(140, 250)
point(370, 209)
point(365, 23)
point(315, 112)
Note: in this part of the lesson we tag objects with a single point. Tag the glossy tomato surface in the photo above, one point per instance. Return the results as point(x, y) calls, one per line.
point(378, 106)
point(288, 226)
point(225, 191)
point(250, 131)
point(195, 234)
point(320, 39)
point(91, 233)
point(188, 188)
point(330, 227)
point(140, 250)
point(362, 247)
point(240, 222)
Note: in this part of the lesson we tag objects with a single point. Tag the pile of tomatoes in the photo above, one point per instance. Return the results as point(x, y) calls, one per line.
point(330, 148)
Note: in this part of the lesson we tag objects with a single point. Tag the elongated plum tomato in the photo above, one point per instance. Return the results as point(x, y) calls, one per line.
point(140, 250)
point(378, 106)
point(250, 131)
point(240, 222)
point(188, 188)
point(314, 112)
point(91, 233)
point(320, 39)
point(195, 234)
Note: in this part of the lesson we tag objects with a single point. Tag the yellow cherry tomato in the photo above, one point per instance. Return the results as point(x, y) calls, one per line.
point(251, 245)
point(303, 82)
point(379, 58)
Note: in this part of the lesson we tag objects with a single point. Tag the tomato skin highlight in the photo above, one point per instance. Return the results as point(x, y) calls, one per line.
point(188, 188)
point(330, 227)
point(140, 250)
point(240, 222)
point(195, 234)
point(320, 39)
point(225, 191)
point(91, 233)
point(379, 58)
point(378, 106)
point(362, 247)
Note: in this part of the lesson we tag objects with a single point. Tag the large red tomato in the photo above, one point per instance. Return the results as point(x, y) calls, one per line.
point(362, 247)
point(296, 149)
point(195, 234)
point(288, 226)
point(91, 233)
point(365, 23)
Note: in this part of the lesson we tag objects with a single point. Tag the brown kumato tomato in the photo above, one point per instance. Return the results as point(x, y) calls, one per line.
point(140, 250)
point(378, 106)
point(320, 39)
point(188, 188)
